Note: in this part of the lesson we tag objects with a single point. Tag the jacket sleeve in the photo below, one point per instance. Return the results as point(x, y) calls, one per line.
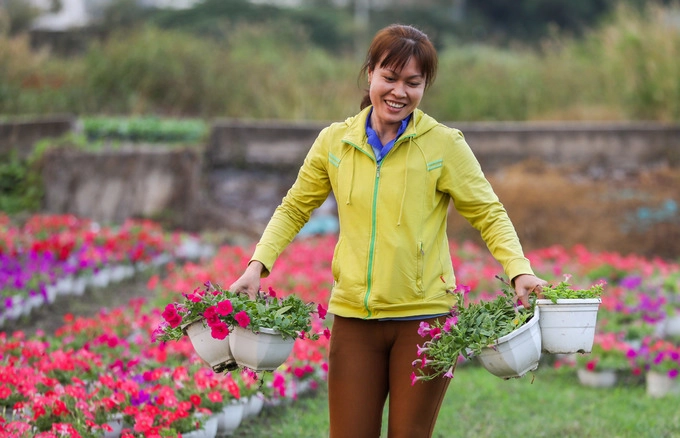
point(308, 192)
point(474, 198)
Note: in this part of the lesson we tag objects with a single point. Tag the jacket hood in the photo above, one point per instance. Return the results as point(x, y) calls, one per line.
point(420, 124)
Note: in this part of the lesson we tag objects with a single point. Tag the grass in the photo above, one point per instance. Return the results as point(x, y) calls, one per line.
point(549, 403)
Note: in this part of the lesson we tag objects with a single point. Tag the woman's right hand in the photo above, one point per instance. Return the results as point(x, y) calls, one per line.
point(249, 282)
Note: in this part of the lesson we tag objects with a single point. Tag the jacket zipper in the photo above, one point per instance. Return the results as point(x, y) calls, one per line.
point(369, 273)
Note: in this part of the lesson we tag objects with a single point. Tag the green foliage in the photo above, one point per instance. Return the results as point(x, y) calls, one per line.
point(327, 26)
point(472, 328)
point(20, 184)
point(565, 291)
point(289, 315)
point(145, 129)
point(16, 16)
point(261, 63)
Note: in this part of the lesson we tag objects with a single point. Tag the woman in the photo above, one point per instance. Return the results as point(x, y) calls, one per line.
point(394, 171)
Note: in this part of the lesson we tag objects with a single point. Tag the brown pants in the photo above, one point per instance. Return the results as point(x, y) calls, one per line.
point(369, 360)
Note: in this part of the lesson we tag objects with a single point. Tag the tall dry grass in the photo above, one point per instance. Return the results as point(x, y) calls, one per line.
point(633, 213)
point(628, 68)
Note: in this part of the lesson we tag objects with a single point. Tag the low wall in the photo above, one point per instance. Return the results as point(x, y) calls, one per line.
point(262, 144)
point(112, 186)
point(239, 178)
point(21, 135)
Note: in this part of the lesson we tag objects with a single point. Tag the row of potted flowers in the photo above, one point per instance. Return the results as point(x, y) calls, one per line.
point(104, 375)
point(118, 347)
point(305, 272)
point(52, 255)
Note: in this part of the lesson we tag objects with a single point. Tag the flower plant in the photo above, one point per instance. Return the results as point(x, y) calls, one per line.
point(469, 329)
point(564, 290)
point(658, 355)
point(290, 315)
point(223, 310)
point(610, 352)
point(211, 303)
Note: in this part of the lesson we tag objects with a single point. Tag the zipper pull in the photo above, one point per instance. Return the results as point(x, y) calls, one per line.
point(377, 175)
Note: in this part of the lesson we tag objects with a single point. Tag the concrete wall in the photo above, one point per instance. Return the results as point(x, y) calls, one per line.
point(240, 176)
point(112, 186)
point(584, 145)
point(22, 134)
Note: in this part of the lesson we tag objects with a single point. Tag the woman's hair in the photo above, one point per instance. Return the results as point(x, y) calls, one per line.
point(394, 45)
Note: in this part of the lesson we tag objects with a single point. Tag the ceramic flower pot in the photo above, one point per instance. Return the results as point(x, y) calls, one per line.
point(229, 419)
point(671, 326)
point(209, 430)
point(516, 353)
point(216, 352)
point(596, 379)
point(568, 326)
point(263, 351)
point(659, 384)
point(116, 425)
point(253, 405)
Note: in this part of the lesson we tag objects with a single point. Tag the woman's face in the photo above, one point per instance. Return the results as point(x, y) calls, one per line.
point(394, 94)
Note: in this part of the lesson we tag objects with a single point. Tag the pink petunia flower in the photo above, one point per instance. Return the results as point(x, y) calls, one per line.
point(219, 330)
point(171, 315)
point(242, 318)
point(321, 311)
point(224, 308)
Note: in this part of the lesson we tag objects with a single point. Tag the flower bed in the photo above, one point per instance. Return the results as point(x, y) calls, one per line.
point(106, 369)
point(54, 255)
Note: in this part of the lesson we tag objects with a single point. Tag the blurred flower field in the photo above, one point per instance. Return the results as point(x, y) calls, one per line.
point(102, 375)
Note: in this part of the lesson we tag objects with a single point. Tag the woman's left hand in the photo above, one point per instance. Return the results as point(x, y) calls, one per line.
point(526, 284)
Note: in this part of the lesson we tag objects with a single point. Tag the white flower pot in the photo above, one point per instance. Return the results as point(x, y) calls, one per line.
point(263, 351)
point(216, 352)
point(596, 379)
point(50, 293)
point(35, 302)
point(15, 310)
point(117, 273)
point(515, 354)
point(79, 286)
point(568, 326)
point(116, 423)
point(254, 405)
point(209, 430)
point(129, 271)
point(229, 419)
point(671, 326)
point(660, 385)
point(65, 285)
point(101, 279)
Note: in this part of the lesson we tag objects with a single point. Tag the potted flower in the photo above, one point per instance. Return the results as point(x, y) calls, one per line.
point(568, 317)
point(229, 330)
point(205, 316)
point(661, 360)
point(609, 356)
point(267, 328)
point(503, 336)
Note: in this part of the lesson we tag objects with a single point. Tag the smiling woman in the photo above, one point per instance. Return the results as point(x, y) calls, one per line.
point(394, 170)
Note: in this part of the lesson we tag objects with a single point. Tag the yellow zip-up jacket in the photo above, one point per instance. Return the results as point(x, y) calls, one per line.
point(392, 258)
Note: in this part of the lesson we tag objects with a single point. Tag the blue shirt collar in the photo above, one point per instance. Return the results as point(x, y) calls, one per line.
point(379, 149)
